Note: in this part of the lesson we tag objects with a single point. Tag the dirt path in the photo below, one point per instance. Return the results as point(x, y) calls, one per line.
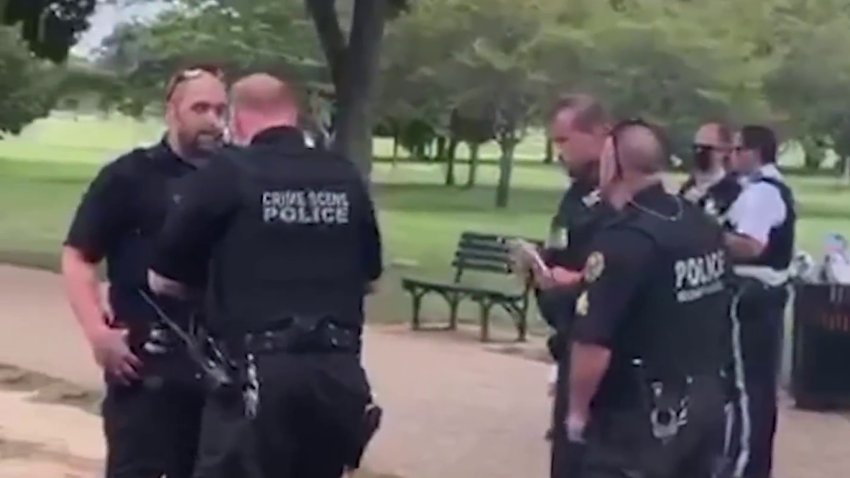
point(454, 409)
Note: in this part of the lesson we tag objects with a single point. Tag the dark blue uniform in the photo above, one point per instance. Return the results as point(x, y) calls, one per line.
point(151, 426)
point(759, 329)
point(657, 298)
point(290, 240)
point(580, 214)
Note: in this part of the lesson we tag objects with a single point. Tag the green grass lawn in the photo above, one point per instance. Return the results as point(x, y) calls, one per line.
point(48, 167)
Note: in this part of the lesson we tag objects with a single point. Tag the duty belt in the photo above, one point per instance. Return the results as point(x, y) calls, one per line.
point(323, 337)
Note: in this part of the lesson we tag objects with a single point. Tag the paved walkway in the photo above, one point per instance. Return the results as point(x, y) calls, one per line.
point(453, 408)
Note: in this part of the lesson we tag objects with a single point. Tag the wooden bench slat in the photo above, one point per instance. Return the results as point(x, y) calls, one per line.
point(481, 256)
point(483, 266)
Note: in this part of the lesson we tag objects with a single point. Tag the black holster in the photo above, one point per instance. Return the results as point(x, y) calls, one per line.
point(368, 428)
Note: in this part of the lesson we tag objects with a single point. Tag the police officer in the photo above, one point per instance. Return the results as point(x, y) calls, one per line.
point(290, 240)
point(579, 128)
point(711, 185)
point(761, 225)
point(651, 336)
point(153, 403)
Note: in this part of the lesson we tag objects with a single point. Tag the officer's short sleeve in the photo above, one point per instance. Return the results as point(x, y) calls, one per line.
point(102, 215)
point(612, 274)
point(196, 223)
point(757, 210)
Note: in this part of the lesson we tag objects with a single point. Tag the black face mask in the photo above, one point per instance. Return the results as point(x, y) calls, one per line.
point(702, 157)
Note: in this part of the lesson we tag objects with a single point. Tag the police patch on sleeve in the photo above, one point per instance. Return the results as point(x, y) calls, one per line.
point(593, 267)
point(582, 304)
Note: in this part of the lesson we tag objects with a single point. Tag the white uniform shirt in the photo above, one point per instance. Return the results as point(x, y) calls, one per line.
point(759, 208)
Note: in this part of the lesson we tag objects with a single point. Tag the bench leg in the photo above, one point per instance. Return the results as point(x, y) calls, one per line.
point(454, 302)
point(519, 315)
point(485, 320)
point(417, 305)
point(521, 321)
point(522, 327)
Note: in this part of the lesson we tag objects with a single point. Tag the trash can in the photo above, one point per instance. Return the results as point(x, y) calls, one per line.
point(820, 373)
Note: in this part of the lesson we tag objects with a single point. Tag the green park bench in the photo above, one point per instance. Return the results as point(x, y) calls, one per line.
point(482, 253)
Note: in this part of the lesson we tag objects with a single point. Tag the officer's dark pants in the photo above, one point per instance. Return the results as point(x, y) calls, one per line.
point(310, 408)
point(620, 443)
point(557, 307)
point(761, 318)
point(558, 467)
point(151, 433)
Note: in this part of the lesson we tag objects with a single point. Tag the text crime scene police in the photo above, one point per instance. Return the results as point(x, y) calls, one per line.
point(305, 206)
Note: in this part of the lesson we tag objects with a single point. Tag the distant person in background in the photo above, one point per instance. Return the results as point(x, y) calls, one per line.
point(154, 400)
point(711, 185)
point(579, 128)
point(761, 224)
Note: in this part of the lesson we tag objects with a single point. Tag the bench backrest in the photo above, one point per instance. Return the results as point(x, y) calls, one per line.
point(483, 253)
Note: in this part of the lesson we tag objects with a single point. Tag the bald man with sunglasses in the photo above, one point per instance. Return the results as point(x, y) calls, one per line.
point(154, 398)
point(711, 185)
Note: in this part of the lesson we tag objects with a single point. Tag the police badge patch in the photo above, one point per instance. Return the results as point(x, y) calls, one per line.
point(593, 267)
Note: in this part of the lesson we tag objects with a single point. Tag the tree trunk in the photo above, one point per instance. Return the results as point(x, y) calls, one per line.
point(330, 35)
point(473, 164)
point(395, 145)
point(550, 153)
point(505, 169)
point(441, 148)
point(450, 161)
point(845, 173)
point(355, 73)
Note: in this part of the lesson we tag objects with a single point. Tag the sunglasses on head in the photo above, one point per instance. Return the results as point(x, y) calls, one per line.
point(191, 73)
point(627, 123)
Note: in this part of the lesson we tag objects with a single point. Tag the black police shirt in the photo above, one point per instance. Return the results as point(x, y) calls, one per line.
point(613, 271)
point(656, 290)
point(118, 218)
point(580, 214)
point(285, 230)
